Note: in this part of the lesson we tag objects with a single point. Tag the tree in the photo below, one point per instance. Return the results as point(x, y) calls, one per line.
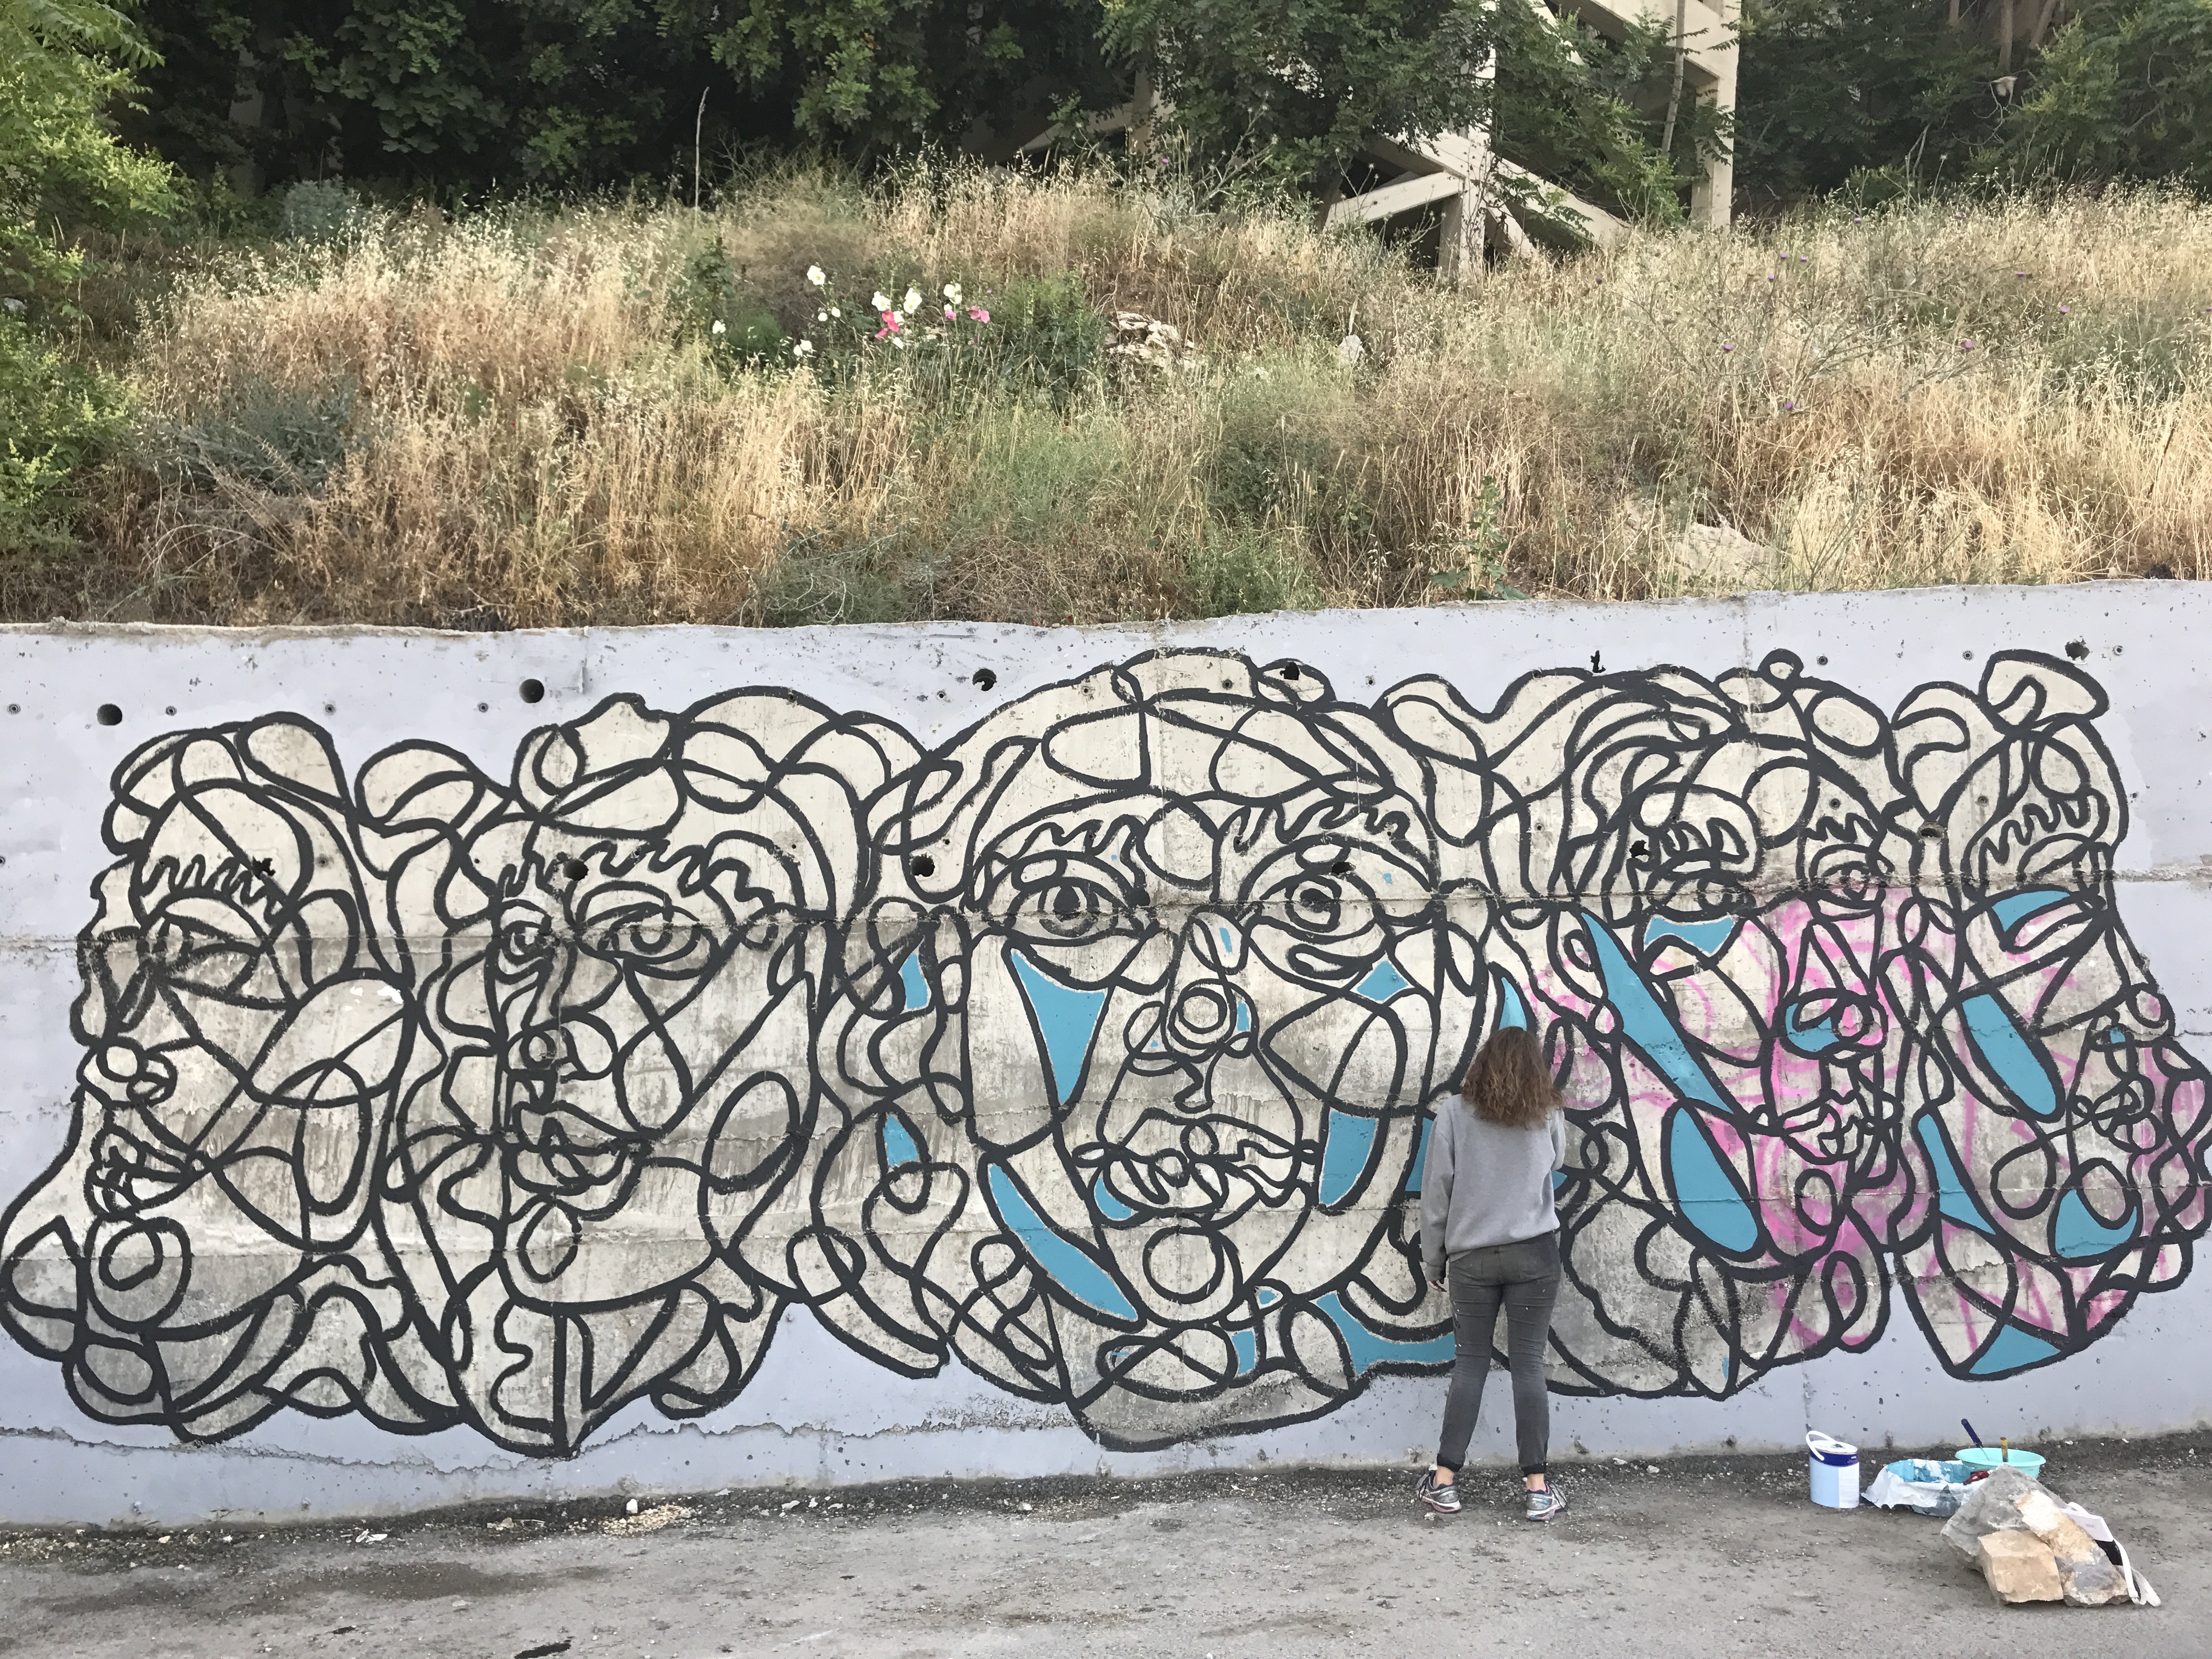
point(1308, 80)
point(2124, 90)
point(62, 62)
point(1826, 88)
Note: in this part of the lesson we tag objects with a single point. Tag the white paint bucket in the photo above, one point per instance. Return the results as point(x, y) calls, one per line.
point(1835, 1471)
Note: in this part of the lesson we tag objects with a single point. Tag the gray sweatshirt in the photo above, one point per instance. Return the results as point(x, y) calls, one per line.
point(1484, 1184)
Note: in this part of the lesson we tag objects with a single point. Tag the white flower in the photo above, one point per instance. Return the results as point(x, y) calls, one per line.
point(952, 292)
point(899, 340)
point(1350, 350)
point(720, 327)
point(833, 311)
point(804, 348)
point(821, 316)
point(881, 302)
point(816, 276)
point(913, 300)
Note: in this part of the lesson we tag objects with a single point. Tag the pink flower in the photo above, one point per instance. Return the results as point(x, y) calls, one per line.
point(977, 315)
point(890, 326)
point(948, 313)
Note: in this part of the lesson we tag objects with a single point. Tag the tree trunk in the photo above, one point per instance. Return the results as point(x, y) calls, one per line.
point(1674, 96)
point(2004, 37)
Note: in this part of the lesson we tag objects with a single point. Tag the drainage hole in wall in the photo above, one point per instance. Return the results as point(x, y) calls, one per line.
point(984, 678)
point(924, 865)
point(171, 709)
point(484, 708)
point(533, 690)
point(14, 708)
point(110, 714)
point(2077, 649)
point(574, 869)
point(330, 708)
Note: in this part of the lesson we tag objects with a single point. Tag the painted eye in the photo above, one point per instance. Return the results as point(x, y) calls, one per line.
point(1317, 904)
point(656, 937)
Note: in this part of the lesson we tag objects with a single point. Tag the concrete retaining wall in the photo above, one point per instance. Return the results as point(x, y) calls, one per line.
point(437, 1067)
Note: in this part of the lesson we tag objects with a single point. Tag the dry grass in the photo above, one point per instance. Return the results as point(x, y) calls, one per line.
point(526, 419)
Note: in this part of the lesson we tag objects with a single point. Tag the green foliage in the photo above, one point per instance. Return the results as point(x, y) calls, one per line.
point(2124, 91)
point(1830, 88)
point(62, 62)
point(1588, 113)
point(56, 417)
point(1303, 83)
point(274, 437)
point(1473, 555)
point(875, 73)
point(1238, 569)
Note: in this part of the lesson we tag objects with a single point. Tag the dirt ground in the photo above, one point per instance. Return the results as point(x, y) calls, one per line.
point(1692, 1557)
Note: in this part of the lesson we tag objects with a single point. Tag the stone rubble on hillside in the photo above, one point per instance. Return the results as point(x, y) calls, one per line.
point(1147, 341)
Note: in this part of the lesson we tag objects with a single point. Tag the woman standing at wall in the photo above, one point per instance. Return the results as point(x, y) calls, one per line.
point(1487, 1210)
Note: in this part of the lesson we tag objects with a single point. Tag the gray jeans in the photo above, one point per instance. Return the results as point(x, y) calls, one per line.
point(1523, 1279)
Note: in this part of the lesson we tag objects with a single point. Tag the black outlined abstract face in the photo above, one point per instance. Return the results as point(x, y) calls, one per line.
point(202, 1251)
point(1095, 1047)
point(603, 1172)
point(1203, 1003)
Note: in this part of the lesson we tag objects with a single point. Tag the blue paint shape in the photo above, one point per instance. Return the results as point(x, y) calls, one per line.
point(917, 987)
point(1066, 1018)
point(1243, 1015)
point(2014, 907)
point(1107, 1201)
point(1955, 1200)
point(900, 1147)
point(2004, 1048)
point(1383, 982)
point(1060, 1259)
point(1247, 1344)
point(1368, 1350)
point(2077, 1233)
point(1558, 1179)
point(1648, 1025)
point(2117, 1036)
point(1421, 1155)
point(1704, 1190)
point(1267, 1296)
point(1228, 943)
point(2014, 1350)
point(1512, 1011)
point(1346, 1143)
point(1814, 1039)
point(1707, 938)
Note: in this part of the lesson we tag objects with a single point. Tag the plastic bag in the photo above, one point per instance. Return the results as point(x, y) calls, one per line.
point(1925, 1486)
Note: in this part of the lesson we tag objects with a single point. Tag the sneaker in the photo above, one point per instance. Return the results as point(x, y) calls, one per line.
point(1548, 1504)
point(1442, 1496)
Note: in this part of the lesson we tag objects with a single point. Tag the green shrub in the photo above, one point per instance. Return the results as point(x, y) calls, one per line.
point(56, 417)
point(317, 211)
point(1239, 570)
point(2123, 92)
point(280, 438)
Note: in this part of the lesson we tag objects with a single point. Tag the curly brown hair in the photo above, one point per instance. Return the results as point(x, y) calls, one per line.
point(1508, 1083)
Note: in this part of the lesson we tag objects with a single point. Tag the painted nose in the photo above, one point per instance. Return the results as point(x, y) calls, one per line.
point(575, 1047)
point(1208, 1017)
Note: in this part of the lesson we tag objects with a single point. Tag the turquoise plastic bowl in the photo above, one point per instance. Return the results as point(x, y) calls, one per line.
point(1980, 1458)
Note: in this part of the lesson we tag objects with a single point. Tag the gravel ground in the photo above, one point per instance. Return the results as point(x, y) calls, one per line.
point(1690, 1557)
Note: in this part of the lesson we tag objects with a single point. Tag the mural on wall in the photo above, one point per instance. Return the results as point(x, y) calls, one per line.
point(1094, 1046)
